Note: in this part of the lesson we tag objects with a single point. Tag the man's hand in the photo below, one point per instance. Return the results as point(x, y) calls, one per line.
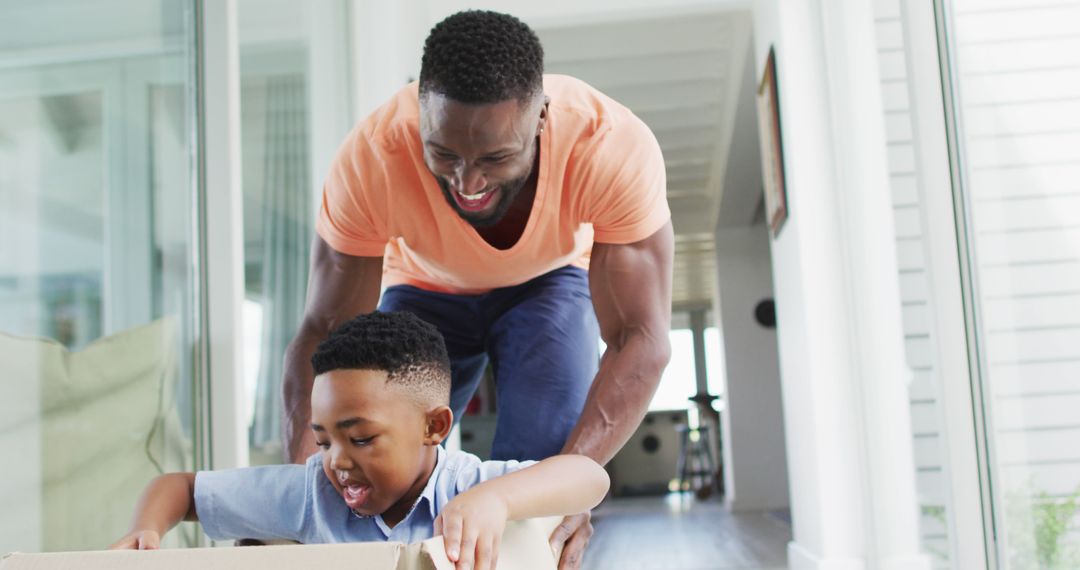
point(571, 537)
point(472, 526)
point(138, 540)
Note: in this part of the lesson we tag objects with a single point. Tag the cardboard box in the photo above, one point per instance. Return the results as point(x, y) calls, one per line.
point(524, 547)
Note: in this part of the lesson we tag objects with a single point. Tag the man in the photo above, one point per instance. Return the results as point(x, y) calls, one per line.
point(476, 197)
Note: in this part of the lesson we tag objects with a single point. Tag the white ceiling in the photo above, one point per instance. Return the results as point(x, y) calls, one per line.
point(682, 74)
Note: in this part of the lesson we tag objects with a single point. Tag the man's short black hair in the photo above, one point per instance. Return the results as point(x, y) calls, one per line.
point(480, 57)
point(411, 351)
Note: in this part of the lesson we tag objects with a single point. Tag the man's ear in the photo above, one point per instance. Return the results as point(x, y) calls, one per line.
point(543, 116)
point(439, 421)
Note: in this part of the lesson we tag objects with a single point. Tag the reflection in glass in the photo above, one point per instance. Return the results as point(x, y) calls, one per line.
point(294, 73)
point(1017, 80)
point(278, 227)
point(96, 257)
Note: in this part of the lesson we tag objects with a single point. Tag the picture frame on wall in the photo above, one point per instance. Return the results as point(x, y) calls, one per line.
point(772, 149)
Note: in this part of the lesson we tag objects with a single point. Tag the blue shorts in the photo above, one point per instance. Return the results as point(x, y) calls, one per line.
point(542, 340)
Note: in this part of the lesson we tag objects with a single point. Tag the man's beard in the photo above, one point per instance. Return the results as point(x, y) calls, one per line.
point(509, 189)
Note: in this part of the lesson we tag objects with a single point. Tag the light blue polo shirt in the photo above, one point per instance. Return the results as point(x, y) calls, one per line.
point(298, 502)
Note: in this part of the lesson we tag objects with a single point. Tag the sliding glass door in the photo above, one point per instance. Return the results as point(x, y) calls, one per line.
point(1013, 75)
point(97, 264)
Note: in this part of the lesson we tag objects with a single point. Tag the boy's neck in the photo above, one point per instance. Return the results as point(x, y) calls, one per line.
point(399, 510)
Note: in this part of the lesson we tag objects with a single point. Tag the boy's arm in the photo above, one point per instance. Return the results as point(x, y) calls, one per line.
point(557, 486)
point(472, 523)
point(166, 501)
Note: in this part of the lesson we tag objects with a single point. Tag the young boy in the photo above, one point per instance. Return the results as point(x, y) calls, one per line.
point(379, 410)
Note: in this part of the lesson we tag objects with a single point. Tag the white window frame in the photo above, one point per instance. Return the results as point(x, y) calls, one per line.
point(965, 516)
point(223, 439)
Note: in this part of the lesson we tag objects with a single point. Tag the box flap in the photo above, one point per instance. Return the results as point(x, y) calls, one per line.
point(524, 547)
point(429, 555)
point(361, 555)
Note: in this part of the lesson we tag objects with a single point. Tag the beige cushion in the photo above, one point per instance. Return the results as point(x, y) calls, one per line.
point(105, 415)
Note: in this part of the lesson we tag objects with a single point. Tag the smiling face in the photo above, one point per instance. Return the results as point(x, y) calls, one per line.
point(482, 155)
point(378, 441)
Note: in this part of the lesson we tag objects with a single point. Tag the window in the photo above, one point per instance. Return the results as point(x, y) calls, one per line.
point(97, 258)
point(910, 184)
point(292, 60)
point(714, 361)
point(1015, 93)
point(679, 380)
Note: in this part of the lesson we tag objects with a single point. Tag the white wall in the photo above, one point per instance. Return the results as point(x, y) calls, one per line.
point(387, 42)
point(834, 268)
point(753, 436)
point(755, 465)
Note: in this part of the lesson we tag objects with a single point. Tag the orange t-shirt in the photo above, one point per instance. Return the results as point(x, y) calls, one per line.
point(601, 176)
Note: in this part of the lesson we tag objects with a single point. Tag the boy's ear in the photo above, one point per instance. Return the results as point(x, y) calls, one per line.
point(439, 421)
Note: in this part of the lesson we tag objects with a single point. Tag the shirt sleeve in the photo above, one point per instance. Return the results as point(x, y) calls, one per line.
point(486, 470)
point(350, 218)
point(624, 184)
point(268, 502)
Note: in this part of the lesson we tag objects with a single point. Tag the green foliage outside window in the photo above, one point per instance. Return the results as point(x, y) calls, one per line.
point(1039, 527)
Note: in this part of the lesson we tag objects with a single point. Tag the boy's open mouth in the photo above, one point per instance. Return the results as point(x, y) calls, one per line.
point(355, 494)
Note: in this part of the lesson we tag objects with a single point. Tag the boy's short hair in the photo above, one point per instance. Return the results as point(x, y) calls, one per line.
point(411, 351)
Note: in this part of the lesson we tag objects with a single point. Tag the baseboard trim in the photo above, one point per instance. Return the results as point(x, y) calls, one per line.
point(911, 562)
point(800, 558)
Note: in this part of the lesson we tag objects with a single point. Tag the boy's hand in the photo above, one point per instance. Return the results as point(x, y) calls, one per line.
point(472, 526)
point(138, 540)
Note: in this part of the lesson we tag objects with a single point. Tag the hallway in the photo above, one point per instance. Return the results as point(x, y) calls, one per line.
point(677, 532)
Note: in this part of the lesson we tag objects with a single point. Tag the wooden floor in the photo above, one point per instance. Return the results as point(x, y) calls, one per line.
point(678, 532)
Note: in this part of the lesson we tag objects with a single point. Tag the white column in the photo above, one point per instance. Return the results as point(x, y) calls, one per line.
point(838, 304)
point(223, 251)
point(697, 329)
point(881, 370)
point(824, 463)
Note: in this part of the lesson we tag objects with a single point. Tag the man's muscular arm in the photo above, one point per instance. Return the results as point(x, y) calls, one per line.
point(339, 288)
point(631, 291)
